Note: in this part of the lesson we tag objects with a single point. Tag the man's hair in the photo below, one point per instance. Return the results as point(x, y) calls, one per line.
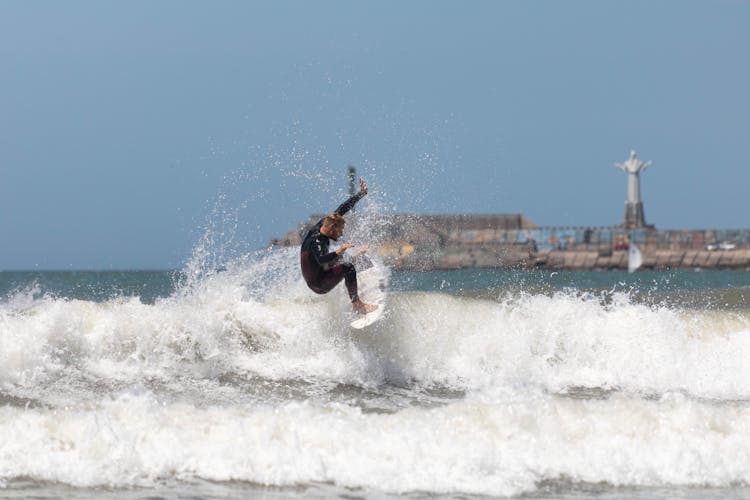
point(334, 219)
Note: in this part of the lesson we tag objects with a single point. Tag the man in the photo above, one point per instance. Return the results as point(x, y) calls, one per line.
point(323, 270)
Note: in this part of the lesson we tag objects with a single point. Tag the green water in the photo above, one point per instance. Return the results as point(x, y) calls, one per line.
point(712, 289)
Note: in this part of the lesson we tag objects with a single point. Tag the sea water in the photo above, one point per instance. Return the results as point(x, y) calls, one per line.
point(242, 383)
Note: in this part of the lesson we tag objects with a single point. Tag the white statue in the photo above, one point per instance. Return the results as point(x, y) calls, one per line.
point(633, 205)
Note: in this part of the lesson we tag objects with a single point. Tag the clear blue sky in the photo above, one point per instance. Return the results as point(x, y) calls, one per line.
point(129, 128)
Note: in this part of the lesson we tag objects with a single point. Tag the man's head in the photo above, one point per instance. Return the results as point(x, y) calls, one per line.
point(333, 226)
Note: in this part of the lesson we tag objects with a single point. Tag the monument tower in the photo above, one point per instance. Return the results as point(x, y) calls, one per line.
point(634, 217)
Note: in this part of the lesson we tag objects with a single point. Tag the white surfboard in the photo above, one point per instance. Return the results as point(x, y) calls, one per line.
point(372, 284)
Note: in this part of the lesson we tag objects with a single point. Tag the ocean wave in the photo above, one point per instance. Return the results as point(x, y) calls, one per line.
point(135, 439)
point(245, 375)
point(257, 318)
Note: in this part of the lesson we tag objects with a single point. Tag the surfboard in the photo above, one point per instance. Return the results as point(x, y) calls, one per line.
point(372, 284)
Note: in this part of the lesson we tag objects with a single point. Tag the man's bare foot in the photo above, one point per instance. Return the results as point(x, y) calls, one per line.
point(363, 308)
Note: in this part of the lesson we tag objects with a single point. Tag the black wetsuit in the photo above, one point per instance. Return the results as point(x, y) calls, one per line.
point(322, 269)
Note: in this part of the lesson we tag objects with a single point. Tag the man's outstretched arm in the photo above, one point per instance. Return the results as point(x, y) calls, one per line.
point(349, 204)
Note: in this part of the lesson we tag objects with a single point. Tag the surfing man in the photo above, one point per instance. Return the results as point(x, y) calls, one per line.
point(323, 270)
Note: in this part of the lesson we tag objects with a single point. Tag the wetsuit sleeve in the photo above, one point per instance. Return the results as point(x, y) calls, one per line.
point(348, 204)
point(318, 254)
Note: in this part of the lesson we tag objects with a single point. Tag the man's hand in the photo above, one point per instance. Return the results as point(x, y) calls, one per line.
point(344, 247)
point(362, 187)
point(361, 250)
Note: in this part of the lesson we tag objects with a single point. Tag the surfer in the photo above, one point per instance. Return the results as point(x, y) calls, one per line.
point(323, 270)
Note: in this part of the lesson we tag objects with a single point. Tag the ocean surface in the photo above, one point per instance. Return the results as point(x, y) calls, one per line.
point(241, 383)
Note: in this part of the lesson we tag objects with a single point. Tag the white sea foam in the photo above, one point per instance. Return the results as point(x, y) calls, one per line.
point(466, 447)
point(565, 341)
point(248, 319)
point(555, 342)
point(543, 387)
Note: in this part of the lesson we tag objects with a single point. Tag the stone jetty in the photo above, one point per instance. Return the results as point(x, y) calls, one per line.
point(738, 258)
point(431, 242)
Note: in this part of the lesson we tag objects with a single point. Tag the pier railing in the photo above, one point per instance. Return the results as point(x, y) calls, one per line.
point(617, 238)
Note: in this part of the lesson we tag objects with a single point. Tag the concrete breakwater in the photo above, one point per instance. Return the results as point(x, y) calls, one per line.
point(428, 242)
point(657, 259)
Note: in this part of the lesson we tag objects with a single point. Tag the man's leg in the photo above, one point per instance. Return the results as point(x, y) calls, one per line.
point(350, 279)
point(348, 273)
point(329, 279)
